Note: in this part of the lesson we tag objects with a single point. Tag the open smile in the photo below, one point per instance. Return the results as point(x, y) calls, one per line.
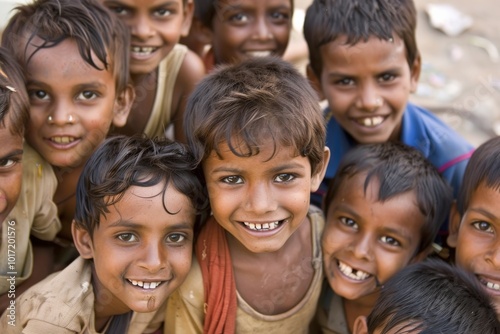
point(143, 50)
point(263, 227)
point(370, 122)
point(146, 285)
point(352, 273)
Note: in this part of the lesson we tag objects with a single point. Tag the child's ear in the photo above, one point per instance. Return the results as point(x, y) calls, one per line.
point(318, 176)
point(188, 18)
point(415, 73)
point(360, 326)
point(315, 82)
point(123, 104)
point(83, 241)
point(454, 225)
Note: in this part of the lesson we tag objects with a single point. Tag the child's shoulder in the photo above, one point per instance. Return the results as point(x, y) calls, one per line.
point(62, 300)
point(422, 127)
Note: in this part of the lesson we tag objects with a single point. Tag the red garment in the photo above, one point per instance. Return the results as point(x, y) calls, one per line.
point(218, 281)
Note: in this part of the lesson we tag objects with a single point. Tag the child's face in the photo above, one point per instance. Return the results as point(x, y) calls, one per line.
point(141, 253)
point(366, 241)
point(72, 105)
point(11, 170)
point(259, 200)
point(476, 238)
point(367, 86)
point(248, 28)
point(155, 27)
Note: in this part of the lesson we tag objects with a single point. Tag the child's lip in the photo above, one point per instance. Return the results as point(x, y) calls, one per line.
point(352, 272)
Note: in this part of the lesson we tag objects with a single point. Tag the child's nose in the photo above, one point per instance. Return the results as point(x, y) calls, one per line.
point(260, 199)
point(61, 114)
point(154, 258)
point(262, 30)
point(141, 28)
point(369, 99)
point(494, 257)
point(361, 247)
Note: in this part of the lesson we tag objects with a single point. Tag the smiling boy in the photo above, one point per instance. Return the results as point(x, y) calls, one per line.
point(138, 202)
point(475, 219)
point(240, 29)
point(258, 133)
point(383, 210)
point(75, 54)
point(364, 60)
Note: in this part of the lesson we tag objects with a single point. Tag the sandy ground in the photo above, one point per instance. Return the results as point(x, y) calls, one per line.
point(460, 80)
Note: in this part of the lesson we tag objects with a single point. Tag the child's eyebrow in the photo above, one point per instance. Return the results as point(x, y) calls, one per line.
point(276, 169)
point(138, 226)
point(483, 212)
point(11, 154)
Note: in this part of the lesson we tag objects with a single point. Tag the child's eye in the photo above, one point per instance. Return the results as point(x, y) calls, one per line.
point(175, 238)
point(127, 237)
point(285, 177)
point(87, 95)
point(387, 77)
point(232, 179)
point(390, 240)
point(348, 222)
point(345, 82)
point(39, 94)
point(239, 18)
point(121, 11)
point(483, 226)
point(9, 162)
point(278, 16)
point(162, 12)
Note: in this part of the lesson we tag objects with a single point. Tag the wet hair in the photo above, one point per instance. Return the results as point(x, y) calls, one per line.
point(483, 168)
point(250, 103)
point(433, 297)
point(205, 11)
point(399, 169)
point(358, 20)
point(121, 162)
point(97, 32)
point(14, 102)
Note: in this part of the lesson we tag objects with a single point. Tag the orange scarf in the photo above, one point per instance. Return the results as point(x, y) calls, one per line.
point(218, 281)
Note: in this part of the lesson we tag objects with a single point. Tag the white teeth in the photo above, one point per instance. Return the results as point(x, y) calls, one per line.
point(352, 273)
point(145, 285)
point(259, 53)
point(371, 121)
point(262, 227)
point(63, 140)
point(493, 286)
point(143, 50)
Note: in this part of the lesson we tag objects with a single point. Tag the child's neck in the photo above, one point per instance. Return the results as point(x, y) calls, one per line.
point(104, 308)
point(361, 306)
point(65, 197)
point(274, 282)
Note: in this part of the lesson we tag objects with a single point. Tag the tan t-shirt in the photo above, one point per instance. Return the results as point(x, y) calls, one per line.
point(161, 114)
point(185, 314)
point(63, 303)
point(34, 214)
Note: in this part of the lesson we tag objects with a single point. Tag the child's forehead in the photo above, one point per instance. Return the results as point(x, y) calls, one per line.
point(228, 4)
point(345, 49)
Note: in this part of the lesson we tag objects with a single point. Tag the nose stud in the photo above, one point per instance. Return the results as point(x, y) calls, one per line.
point(70, 119)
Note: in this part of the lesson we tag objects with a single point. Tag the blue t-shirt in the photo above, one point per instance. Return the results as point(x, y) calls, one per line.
point(443, 146)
